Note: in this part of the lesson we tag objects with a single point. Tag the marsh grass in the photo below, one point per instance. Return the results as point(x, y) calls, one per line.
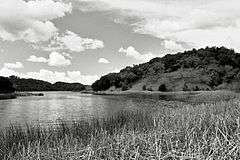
point(201, 131)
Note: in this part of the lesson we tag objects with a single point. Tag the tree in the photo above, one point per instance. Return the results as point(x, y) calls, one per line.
point(144, 88)
point(149, 89)
point(196, 88)
point(162, 88)
point(6, 86)
point(124, 87)
point(185, 87)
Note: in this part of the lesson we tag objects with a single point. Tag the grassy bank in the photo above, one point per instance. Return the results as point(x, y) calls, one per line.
point(189, 97)
point(189, 131)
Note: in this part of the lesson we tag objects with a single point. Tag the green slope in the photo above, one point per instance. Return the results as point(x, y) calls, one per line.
point(203, 69)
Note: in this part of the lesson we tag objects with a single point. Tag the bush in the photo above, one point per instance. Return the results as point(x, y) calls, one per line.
point(150, 89)
point(196, 88)
point(6, 85)
point(185, 87)
point(144, 88)
point(124, 87)
point(162, 88)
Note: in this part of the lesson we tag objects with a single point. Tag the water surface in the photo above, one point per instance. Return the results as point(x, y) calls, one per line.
point(54, 106)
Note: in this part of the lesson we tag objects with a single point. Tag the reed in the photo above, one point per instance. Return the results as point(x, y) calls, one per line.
point(190, 131)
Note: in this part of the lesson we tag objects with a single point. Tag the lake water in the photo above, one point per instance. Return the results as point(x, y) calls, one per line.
point(54, 106)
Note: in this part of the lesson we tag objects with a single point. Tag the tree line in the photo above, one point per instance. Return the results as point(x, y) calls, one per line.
point(23, 84)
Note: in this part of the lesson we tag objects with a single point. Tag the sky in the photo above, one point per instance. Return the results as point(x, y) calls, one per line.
point(81, 40)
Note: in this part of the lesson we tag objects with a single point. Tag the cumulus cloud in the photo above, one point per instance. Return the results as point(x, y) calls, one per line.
point(76, 76)
point(36, 59)
point(172, 45)
point(69, 76)
point(103, 60)
point(73, 42)
point(16, 65)
point(30, 20)
point(6, 72)
point(133, 53)
point(186, 22)
point(55, 59)
point(116, 70)
point(51, 76)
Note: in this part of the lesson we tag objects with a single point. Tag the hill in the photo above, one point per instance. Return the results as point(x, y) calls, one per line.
point(22, 84)
point(204, 69)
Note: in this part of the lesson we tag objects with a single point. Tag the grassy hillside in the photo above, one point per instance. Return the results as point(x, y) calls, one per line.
point(22, 84)
point(203, 69)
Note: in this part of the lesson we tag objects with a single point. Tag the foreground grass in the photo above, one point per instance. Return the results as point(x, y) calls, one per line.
point(200, 131)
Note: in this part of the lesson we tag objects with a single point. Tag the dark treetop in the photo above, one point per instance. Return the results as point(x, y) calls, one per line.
point(6, 85)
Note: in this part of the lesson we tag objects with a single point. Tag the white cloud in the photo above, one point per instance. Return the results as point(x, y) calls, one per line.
point(103, 60)
point(76, 76)
point(172, 45)
point(67, 55)
point(116, 70)
point(6, 72)
point(51, 76)
point(33, 58)
point(30, 20)
point(73, 42)
point(55, 59)
point(186, 22)
point(69, 76)
point(16, 65)
point(133, 53)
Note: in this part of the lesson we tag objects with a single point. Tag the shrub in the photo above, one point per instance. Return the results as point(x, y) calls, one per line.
point(185, 87)
point(124, 87)
point(162, 88)
point(6, 85)
point(196, 88)
point(150, 89)
point(144, 88)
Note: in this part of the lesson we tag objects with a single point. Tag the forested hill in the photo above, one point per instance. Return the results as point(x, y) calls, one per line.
point(203, 69)
point(22, 84)
point(6, 86)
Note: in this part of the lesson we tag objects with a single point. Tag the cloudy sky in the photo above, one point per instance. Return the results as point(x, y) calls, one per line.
point(81, 40)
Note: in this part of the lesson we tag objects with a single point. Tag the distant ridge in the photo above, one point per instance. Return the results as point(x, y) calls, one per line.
point(23, 84)
point(203, 69)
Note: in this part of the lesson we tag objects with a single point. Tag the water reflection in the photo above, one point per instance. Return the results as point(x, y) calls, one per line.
point(66, 106)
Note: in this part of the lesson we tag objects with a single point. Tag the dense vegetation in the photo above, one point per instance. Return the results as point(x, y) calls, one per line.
point(6, 86)
point(22, 84)
point(62, 86)
point(203, 69)
point(176, 131)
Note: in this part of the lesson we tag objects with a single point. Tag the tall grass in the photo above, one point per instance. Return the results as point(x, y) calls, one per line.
point(201, 131)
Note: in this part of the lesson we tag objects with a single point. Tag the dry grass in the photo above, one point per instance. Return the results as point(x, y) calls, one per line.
point(189, 131)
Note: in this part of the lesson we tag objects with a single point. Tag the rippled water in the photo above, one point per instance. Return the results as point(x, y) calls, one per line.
point(54, 106)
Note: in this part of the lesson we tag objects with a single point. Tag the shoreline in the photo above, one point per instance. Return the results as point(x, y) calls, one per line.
point(157, 92)
point(181, 96)
point(4, 96)
point(27, 94)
